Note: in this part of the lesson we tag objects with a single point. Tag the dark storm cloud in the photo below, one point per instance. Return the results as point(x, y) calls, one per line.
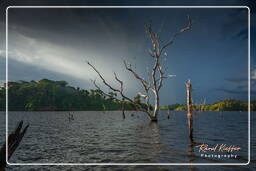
point(105, 37)
point(237, 79)
point(238, 93)
point(239, 87)
point(236, 20)
point(233, 91)
point(242, 34)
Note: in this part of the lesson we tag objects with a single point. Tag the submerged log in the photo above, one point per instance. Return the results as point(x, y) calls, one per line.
point(189, 109)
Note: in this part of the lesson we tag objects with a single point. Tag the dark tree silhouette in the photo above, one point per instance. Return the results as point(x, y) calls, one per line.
point(14, 140)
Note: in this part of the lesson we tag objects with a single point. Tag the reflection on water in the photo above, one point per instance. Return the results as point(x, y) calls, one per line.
point(191, 151)
point(94, 137)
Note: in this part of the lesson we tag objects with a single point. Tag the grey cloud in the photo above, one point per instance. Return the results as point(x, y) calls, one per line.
point(63, 46)
point(26, 72)
point(239, 87)
point(239, 94)
point(242, 34)
point(233, 91)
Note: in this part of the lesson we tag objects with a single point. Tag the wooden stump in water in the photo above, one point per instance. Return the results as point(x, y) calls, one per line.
point(168, 117)
point(123, 110)
point(190, 109)
point(190, 125)
point(123, 114)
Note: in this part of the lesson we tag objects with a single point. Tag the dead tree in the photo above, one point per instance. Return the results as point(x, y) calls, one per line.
point(14, 140)
point(154, 82)
point(190, 109)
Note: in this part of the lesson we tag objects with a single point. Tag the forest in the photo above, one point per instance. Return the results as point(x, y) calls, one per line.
point(224, 105)
point(49, 95)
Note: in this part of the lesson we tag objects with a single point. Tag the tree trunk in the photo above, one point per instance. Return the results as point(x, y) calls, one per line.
point(153, 118)
point(190, 109)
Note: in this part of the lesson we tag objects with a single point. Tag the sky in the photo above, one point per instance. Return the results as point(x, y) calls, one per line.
point(56, 43)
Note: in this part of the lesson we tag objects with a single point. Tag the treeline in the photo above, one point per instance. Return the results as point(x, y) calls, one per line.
point(224, 105)
point(56, 96)
point(52, 95)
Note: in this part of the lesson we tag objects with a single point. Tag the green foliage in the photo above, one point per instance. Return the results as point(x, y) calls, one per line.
point(56, 95)
point(225, 105)
point(181, 108)
point(170, 107)
point(137, 99)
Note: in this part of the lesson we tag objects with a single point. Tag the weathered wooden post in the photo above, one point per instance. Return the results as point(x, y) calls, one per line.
point(190, 109)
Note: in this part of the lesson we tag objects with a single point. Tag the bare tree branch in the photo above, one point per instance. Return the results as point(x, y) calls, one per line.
point(103, 80)
point(151, 53)
point(143, 82)
point(154, 37)
point(171, 41)
point(153, 75)
point(105, 94)
point(137, 106)
point(161, 77)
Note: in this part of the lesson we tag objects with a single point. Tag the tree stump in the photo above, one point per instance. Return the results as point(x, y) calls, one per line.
point(123, 109)
point(189, 109)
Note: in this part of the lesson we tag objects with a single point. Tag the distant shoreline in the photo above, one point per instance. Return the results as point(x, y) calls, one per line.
point(50, 95)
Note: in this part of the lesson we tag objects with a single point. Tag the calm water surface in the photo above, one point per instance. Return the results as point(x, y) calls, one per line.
point(94, 137)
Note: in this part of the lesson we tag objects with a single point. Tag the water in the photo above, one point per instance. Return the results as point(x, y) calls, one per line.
point(104, 137)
